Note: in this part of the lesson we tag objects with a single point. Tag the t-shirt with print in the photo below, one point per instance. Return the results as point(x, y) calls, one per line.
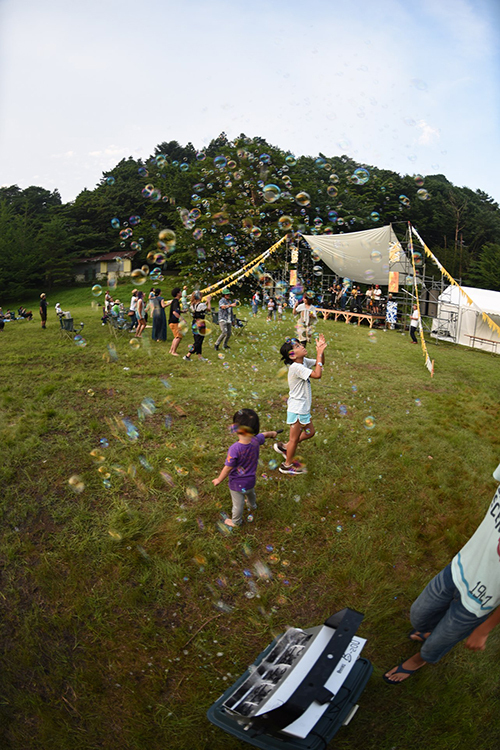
point(300, 398)
point(243, 459)
point(175, 307)
point(476, 568)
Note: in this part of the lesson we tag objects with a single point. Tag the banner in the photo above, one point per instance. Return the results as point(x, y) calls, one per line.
point(293, 277)
point(393, 282)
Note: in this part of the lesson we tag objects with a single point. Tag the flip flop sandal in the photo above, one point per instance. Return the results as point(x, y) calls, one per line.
point(400, 670)
point(421, 638)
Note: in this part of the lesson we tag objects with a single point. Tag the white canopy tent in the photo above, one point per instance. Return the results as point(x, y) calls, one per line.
point(462, 323)
point(365, 257)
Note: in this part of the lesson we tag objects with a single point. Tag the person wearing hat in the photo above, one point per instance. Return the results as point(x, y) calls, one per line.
point(225, 319)
point(43, 310)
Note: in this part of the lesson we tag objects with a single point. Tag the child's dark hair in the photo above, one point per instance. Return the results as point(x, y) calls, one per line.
point(249, 419)
point(175, 291)
point(285, 352)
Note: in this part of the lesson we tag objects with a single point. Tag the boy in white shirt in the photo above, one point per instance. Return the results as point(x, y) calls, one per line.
point(301, 369)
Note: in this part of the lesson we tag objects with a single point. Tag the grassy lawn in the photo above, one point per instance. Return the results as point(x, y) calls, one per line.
point(125, 609)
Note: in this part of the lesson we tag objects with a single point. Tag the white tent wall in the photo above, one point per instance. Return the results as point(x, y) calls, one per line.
point(458, 321)
point(365, 257)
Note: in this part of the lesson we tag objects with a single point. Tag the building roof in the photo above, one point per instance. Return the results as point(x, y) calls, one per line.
point(118, 254)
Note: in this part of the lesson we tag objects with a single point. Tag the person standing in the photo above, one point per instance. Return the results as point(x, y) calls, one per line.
point(133, 310)
point(174, 319)
point(255, 303)
point(157, 305)
point(307, 319)
point(199, 327)
point(414, 321)
point(225, 319)
point(461, 602)
point(43, 310)
point(141, 314)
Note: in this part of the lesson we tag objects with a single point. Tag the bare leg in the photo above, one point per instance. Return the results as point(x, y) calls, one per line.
point(411, 664)
point(298, 433)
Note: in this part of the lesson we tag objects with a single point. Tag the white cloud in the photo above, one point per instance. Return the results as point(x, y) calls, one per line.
point(428, 134)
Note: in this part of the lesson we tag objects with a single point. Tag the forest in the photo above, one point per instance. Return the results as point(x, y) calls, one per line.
point(230, 202)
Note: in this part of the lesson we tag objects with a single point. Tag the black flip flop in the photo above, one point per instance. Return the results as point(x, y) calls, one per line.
point(400, 670)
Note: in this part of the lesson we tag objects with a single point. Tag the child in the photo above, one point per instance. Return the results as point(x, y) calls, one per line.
point(307, 318)
point(280, 308)
point(241, 463)
point(293, 353)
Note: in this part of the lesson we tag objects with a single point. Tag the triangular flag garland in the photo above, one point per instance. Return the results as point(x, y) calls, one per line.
point(486, 318)
point(242, 272)
point(429, 363)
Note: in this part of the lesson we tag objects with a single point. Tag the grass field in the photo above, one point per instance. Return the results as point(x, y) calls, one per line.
point(126, 612)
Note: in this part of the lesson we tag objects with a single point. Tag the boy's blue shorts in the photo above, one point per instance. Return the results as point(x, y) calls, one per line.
point(291, 418)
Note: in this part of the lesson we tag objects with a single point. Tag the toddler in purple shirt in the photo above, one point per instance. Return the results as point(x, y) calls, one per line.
point(241, 463)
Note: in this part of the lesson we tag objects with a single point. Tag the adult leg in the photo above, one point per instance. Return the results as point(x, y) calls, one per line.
point(412, 334)
point(175, 344)
point(222, 335)
point(229, 327)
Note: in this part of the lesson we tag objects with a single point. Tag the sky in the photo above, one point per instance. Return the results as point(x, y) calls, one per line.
point(411, 87)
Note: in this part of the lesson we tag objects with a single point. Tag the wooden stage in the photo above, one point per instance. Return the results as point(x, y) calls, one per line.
point(349, 316)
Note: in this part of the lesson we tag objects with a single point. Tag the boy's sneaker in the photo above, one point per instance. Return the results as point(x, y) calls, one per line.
point(280, 448)
point(188, 359)
point(294, 468)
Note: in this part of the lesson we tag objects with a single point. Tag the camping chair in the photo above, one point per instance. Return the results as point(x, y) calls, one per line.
point(67, 328)
point(119, 325)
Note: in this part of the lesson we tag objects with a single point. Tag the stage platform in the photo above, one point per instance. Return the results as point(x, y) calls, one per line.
point(349, 316)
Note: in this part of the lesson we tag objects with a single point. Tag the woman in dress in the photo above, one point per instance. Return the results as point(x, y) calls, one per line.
point(157, 306)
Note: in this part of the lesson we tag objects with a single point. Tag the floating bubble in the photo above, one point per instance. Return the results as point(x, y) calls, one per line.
point(375, 256)
point(419, 180)
point(404, 200)
point(115, 223)
point(338, 529)
point(361, 176)
point(369, 274)
point(97, 456)
point(372, 337)
point(271, 193)
point(106, 483)
point(184, 166)
point(138, 276)
point(126, 234)
point(168, 422)
point(110, 180)
point(256, 233)
point(291, 160)
point(332, 191)
point(418, 402)
point(167, 478)
point(135, 246)
point(265, 158)
point(168, 237)
point(76, 483)
point(115, 534)
point(375, 216)
point(343, 410)
point(97, 290)
point(143, 172)
point(192, 493)
point(220, 162)
point(148, 406)
point(285, 223)
point(369, 423)
point(320, 163)
point(131, 430)
point(201, 156)
point(423, 195)
point(219, 219)
point(134, 220)
point(333, 216)
point(303, 199)
point(134, 343)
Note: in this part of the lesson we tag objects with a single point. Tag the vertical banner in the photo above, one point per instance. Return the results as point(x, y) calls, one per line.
point(293, 277)
point(393, 282)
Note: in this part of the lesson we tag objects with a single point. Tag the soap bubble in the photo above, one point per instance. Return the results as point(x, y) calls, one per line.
point(126, 234)
point(303, 199)
point(184, 166)
point(76, 483)
point(423, 195)
point(369, 274)
point(271, 193)
point(265, 158)
point(219, 219)
point(115, 223)
point(375, 256)
point(273, 464)
point(361, 176)
point(332, 191)
point(320, 163)
point(138, 276)
point(404, 200)
point(143, 172)
point(369, 423)
point(97, 290)
point(291, 160)
point(419, 180)
point(285, 223)
point(220, 162)
point(134, 220)
point(110, 180)
point(134, 343)
point(375, 216)
point(334, 178)
point(332, 216)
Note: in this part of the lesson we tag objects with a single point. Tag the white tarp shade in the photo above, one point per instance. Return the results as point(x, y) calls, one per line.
point(457, 320)
point(361, 256)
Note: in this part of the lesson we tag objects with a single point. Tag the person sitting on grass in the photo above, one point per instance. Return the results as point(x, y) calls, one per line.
point(241, 463)
point(301, 369)
point(461, 602)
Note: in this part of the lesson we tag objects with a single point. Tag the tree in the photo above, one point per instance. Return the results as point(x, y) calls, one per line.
point(485, 272)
